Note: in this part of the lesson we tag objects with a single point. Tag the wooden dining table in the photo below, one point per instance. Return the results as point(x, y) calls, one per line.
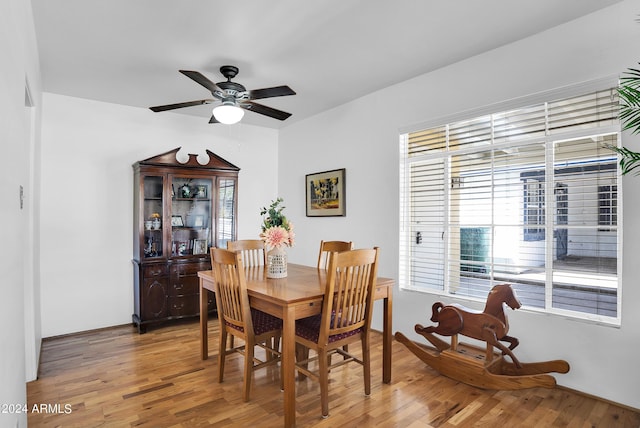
point(299, 295)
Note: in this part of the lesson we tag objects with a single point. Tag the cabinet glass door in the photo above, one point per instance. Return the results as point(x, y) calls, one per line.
point(226, 211)
point(191, 216)
point(152, 214)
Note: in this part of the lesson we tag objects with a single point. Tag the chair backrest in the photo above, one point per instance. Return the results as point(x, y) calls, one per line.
point(329, 247)
point(348, 300)
point(232, 299)
point(252, 250)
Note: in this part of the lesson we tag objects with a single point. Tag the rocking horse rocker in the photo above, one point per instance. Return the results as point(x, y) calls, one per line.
point(483, 368)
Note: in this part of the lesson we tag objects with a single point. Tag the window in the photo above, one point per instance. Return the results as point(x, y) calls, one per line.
point(608, 206)
point(533, 209)
point(519, 196)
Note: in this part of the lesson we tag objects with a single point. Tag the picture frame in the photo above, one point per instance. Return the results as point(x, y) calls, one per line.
point(200, 246)
point(201, 191)
point(196, 220)
point(176, 221)
point(325, 193)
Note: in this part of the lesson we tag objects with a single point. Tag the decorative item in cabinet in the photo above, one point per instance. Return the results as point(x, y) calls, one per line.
point(181, 209)
point(152, 217)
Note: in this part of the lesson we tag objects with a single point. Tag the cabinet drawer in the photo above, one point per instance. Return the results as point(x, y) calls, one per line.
point(155, 270)
point(183, 306)
point(183, 285)
point(188, 269)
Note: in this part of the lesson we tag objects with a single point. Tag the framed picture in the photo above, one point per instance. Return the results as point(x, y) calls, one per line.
point(196, 220)
point(201, 191)
point(200, 246)
point(176, 221)
point(325, 193)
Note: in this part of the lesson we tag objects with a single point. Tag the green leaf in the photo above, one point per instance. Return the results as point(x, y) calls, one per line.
point(629, 160)
point(629, 92)
point(629, 115)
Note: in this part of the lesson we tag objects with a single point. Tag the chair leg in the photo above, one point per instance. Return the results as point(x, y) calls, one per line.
point(274, 343)
point(366, 364)
point(248, 369)
point(324, 381)
point(302, 354)
point(275, 340)
point(282, 376)
point(222, 353)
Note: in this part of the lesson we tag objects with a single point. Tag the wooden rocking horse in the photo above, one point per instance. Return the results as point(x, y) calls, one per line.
point(483, 368)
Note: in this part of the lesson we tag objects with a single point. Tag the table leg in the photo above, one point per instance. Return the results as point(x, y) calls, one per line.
point(204, 318)
point(387, 339)
point(288, 367)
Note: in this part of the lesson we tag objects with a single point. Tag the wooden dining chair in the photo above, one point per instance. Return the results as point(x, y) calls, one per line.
point(254, 254)
point(346, 318)
point(253, 251)
point(237, 318)
point(326, 249)
point(329, 247)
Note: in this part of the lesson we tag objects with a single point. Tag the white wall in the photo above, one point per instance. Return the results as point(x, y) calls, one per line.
point(88, 148)
point(362, 136)
point(19, 333)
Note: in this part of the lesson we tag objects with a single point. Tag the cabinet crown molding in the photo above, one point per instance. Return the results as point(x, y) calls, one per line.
point(170, 159)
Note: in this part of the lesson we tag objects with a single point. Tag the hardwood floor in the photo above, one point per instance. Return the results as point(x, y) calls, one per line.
point(118, 378)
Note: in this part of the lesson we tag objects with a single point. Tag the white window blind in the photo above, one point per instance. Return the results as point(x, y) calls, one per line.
point(519, 196)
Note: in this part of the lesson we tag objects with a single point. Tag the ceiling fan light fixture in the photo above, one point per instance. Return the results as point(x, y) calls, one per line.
point(232, 97)
point(228, 113)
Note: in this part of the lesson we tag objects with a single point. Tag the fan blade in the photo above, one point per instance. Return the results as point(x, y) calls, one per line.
point(276, 91)
point(199, 78)
point(180, 105)
point(213, 119)
point(262, 109)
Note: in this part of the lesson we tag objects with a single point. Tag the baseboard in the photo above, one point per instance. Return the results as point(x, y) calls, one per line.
point(81, 333)
point(595, 397)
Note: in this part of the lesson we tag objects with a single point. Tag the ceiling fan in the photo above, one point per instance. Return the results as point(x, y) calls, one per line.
point(232, 98)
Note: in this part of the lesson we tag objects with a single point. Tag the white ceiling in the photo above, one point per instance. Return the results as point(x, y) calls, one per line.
point(330, 51)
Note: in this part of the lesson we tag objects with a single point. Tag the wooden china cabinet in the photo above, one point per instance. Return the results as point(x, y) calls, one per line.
point(180, 211)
